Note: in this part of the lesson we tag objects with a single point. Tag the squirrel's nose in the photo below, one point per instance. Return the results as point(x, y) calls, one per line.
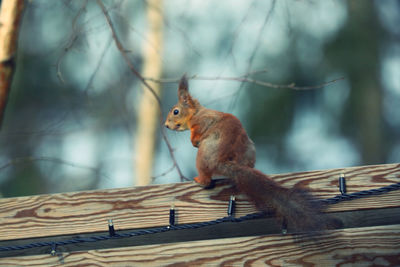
point(166, 125)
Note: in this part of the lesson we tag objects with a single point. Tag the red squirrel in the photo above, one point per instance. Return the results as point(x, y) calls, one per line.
point(224, 148)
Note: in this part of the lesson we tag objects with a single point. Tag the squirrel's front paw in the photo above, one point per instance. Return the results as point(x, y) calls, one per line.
point(202, 181)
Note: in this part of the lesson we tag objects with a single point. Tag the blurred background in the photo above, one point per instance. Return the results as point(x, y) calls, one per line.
point(75, 111)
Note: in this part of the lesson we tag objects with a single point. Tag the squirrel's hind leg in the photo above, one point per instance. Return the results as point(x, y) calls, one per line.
point(204, 177)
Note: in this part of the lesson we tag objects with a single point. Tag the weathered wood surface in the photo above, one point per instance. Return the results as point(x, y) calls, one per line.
point(378, 246)
point(143, 207)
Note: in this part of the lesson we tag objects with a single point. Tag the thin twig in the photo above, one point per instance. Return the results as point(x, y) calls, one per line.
point(183, 34)
point(253, 54)
point(136, 31)
point(164, 173)
point(98, 65)
point(73, 38)
point(236, 33)
point(254, 72)
point(49, 159)
point(258, 41)
point(144, 82)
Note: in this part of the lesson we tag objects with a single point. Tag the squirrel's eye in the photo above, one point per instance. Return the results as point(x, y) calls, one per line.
point(176, 111)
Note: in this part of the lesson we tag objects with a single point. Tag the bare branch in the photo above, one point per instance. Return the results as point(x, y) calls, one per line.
point(144, 82)
point(244, 78)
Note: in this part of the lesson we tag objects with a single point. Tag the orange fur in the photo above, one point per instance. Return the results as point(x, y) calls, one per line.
point(225, 149)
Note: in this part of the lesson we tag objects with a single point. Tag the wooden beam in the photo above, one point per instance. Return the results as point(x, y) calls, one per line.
point(264, 226)
point(144, 207)
point(378, 245)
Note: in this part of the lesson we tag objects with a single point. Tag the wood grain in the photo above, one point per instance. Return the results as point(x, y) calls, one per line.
point(143, 207)
point(350, 247)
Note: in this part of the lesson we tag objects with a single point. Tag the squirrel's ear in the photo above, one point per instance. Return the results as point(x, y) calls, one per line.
point(183, 92)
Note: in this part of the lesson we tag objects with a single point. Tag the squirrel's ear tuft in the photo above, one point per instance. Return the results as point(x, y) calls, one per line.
point(183, 92)
point(183, 83)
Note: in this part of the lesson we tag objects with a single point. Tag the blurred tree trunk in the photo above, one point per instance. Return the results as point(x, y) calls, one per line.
point(10, 17)
point(365, 79)
point(356, 51)
point(148, 116)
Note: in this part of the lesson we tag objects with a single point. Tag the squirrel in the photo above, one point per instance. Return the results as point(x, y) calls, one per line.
point(224, 148)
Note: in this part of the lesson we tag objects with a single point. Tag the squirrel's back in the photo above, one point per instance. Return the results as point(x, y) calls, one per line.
point(224, 134)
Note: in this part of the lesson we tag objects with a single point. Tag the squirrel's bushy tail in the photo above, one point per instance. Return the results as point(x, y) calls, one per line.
point(296, 206)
